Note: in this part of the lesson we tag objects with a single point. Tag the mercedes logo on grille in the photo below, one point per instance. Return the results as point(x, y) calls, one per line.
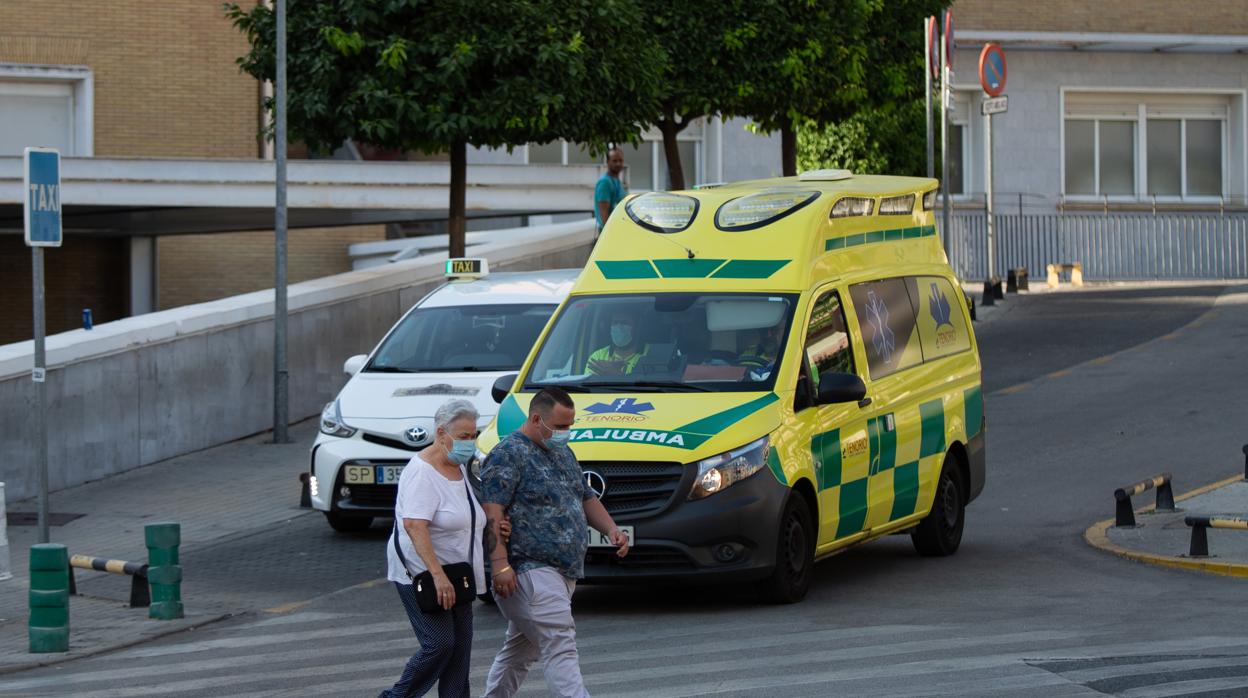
point(415, 436)
point(596, 482)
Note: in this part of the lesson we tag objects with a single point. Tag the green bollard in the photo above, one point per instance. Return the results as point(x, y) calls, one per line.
point(163, 571)
point(49, 598)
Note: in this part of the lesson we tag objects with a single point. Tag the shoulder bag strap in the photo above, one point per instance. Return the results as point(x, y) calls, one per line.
point(472, 527)
point(398, 549)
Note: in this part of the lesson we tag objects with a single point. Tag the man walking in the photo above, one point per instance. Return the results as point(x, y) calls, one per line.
point(533, 477)
point(610, 189)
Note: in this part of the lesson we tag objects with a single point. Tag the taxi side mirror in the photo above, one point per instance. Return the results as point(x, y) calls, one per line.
point(502, 386)
point(353, 365)
point(835, 388)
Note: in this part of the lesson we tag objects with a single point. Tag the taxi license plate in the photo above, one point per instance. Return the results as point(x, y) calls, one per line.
point(601, 540)
point(372, 474)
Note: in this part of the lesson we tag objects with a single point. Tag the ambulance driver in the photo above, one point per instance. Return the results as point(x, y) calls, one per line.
point(622, 354)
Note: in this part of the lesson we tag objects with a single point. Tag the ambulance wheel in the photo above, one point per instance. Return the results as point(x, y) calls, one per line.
point(795, 555)
point(940, 533)
point(348, 524)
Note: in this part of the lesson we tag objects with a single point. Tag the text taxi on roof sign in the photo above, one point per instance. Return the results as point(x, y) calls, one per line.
point(454, 343)
point(765, 373)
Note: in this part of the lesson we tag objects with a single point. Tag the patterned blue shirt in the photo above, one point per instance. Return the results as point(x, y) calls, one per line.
point(544, 494)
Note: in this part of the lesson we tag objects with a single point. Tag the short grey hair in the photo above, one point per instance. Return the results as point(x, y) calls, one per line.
point(454, 410)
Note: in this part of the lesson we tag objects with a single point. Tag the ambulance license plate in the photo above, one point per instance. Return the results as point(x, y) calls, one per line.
point(601, 540)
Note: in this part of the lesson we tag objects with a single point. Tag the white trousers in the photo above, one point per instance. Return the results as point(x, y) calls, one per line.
point(540, 626)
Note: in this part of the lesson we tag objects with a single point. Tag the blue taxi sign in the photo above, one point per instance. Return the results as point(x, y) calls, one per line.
point(41, 182)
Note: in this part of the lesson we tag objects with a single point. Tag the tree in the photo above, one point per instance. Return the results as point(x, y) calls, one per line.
point(814, 66)
point(708, 49)
point(440, 75)
point(881, 135)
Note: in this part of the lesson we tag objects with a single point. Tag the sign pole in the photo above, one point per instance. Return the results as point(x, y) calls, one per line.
point(281, 378)
point(989, 291)
point(41, 220)
point(945, 72)
point(992, 75)
point(928, 27)
point(41, 391)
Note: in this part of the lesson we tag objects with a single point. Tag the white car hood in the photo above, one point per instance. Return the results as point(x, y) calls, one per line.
point(408, 396)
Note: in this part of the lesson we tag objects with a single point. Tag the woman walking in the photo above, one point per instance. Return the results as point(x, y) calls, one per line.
point(438, 525)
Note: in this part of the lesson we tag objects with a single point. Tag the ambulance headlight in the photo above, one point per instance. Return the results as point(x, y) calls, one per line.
point(662, 212)
point(756, 210)
point(331, 422)
point(720, 472)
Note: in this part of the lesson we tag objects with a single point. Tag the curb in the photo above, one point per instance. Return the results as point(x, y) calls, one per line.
point(1097, 538)
point(71, 656)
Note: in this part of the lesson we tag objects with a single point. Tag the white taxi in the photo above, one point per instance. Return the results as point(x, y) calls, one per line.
point(454, 343)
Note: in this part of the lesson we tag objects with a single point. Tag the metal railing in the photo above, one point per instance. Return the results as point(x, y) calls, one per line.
point(1112, 246)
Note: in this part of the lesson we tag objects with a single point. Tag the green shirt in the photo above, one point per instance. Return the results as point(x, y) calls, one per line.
point(611, 190)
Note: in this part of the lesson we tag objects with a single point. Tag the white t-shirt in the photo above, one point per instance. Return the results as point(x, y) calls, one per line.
point(424, 493)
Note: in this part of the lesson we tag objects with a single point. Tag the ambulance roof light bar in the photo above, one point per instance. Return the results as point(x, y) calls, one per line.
point(824, 175)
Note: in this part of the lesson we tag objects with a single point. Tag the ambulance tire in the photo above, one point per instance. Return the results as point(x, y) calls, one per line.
point(348, 524)
point(795, 555)
point(940, 533)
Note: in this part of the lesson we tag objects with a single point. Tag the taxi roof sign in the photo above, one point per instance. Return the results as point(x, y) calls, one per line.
point(466, 268)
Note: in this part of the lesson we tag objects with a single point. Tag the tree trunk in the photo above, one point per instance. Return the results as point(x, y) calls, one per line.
point(675, 172)
point(788, 151)
point(459, 180)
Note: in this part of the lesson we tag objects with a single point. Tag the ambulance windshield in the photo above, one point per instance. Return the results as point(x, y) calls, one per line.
point(696, 342)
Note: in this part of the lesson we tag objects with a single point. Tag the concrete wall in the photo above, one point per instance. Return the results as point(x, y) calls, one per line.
point(143, 389)
point(1027, 139)
point(749, 155)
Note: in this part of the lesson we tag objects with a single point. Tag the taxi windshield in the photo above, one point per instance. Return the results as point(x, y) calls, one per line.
point(694, 342)
point(461, 338)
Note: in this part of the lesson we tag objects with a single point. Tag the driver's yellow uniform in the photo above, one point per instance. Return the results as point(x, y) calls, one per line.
point(759, 355)
point(607, 353)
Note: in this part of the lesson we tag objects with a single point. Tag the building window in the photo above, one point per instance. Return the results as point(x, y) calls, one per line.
point(1167, 146)
point(47, 107)
point(645, 164)
point(957, 159)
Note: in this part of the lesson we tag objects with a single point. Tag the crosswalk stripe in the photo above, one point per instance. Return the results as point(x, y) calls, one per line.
point(306, 617)
point(262, 640)
point(1187, 688)
point(1146, 667)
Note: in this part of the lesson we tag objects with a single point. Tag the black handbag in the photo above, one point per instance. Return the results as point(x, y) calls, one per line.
point(461, 574)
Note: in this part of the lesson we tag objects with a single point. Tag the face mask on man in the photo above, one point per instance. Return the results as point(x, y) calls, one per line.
point(621, 335)
point(558, 437)
point(463, 450)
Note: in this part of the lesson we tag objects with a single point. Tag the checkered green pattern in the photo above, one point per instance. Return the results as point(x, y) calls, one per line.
point(879, 236)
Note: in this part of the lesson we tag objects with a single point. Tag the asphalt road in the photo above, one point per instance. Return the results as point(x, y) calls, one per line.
point(1085, 392)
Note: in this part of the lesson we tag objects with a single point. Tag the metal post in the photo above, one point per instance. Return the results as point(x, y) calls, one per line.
point(281, 379)
point(41, 392)
point(945, 71)
point(927, 95)
point(988, 193)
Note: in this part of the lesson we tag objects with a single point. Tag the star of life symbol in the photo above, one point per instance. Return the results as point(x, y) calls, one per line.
point(939, 306)
point(624, 405)
point(882, 338)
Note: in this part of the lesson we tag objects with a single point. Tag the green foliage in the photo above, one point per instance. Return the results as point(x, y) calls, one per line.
point(877, 140)
point(428, 74)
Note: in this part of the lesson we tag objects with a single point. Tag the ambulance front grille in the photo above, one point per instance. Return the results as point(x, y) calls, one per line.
point(636, 490)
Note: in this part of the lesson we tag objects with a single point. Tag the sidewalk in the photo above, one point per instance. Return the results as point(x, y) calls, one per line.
point(214, 494)
point(1163, 539)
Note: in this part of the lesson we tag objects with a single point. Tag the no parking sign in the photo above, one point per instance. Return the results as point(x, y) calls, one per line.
point(992, 70)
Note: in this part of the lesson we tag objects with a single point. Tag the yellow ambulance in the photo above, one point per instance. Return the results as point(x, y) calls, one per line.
point(766, 373)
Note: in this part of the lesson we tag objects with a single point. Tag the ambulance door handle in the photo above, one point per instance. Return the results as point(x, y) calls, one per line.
point(864, 402)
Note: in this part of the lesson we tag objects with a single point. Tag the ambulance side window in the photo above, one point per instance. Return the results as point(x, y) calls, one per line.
point(827, 347)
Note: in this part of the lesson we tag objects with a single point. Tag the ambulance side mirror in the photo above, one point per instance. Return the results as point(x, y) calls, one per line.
point(502, 386)
point(835, 388)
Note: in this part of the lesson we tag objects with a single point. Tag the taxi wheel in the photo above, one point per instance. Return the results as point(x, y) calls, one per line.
point(348, 524)
point(940, 533)
point(795, 555)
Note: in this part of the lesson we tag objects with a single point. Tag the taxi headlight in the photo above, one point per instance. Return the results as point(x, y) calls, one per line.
point(720, 472)
point(756, 210)
point(331, 422)
point(662, 212)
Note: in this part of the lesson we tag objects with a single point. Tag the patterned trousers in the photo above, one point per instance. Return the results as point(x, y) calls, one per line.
point(445, 650)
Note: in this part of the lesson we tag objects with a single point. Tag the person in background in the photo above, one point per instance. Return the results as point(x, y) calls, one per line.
point(610, 189)
point(434, 512)
point(533, 477)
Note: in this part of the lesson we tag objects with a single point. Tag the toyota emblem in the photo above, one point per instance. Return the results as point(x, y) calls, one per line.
point(596, 483)
point(415, 436)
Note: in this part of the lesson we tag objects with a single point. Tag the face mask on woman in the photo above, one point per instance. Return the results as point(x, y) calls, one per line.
point(463, 450)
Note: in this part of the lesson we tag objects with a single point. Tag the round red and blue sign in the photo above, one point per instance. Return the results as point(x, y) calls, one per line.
point(992, 70)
